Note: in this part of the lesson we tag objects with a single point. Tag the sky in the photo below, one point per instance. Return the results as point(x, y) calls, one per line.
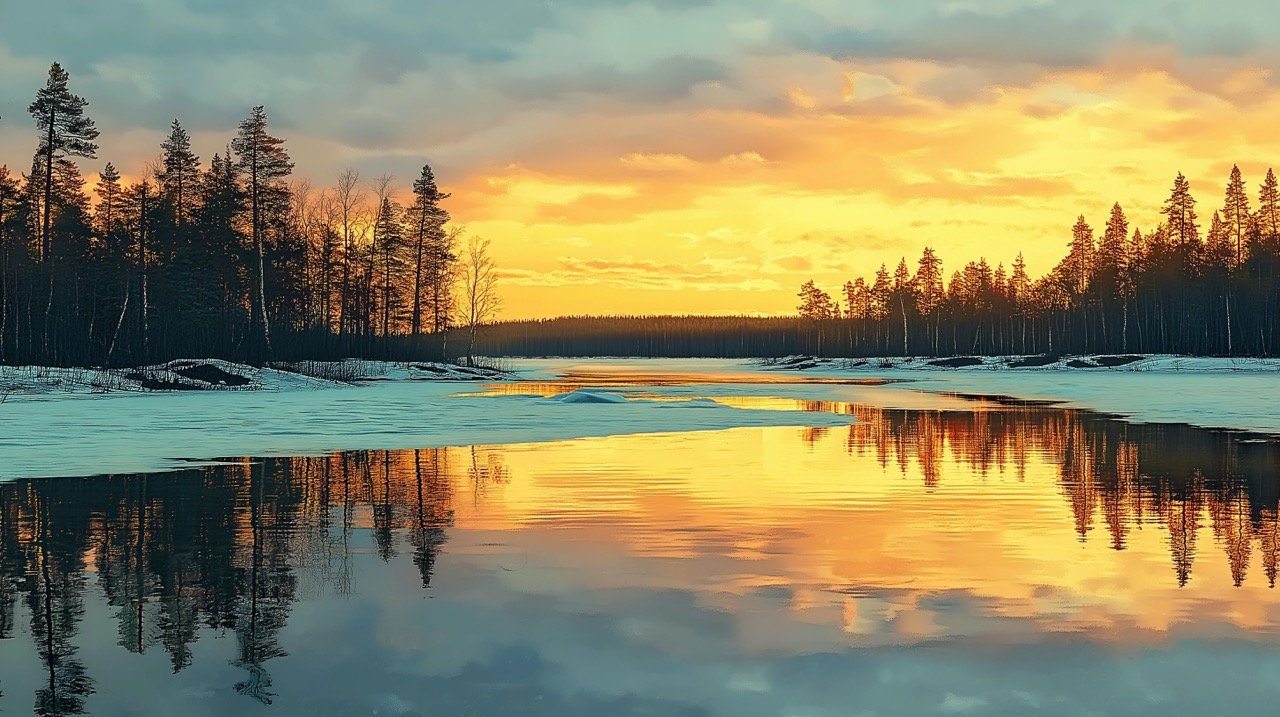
point(694, 156)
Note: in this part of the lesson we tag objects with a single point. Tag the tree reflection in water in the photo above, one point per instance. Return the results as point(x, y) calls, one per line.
point(229, 548)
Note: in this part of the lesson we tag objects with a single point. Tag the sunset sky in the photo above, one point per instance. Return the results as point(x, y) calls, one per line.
point(695, 156)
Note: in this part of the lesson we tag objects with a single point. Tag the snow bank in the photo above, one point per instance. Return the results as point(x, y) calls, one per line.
point(1110, 362)
point(17, 382)
point(585, 396)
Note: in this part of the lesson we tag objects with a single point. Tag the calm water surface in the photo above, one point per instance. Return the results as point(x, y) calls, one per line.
point(985, 560)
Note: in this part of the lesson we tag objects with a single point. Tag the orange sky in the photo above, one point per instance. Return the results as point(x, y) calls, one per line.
point(705, 157)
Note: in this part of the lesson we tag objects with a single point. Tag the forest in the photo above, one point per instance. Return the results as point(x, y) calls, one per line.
point(237, 259)
point(234, 259)
point(1170, 290)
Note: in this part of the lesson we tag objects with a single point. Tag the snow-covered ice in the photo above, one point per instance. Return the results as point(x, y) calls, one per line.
point(68, 422)
point(81, 435)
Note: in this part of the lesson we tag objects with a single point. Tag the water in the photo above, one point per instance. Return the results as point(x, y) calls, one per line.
point(985, 559)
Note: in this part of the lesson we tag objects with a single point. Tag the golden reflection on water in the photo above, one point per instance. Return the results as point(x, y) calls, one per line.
point(1071, 521)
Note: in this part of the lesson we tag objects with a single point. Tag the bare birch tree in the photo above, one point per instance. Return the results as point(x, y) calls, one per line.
point(481, 300)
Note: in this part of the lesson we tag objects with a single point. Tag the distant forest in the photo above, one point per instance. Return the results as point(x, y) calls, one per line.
point(230, 259)
point(235, 259)
point(1170, 290)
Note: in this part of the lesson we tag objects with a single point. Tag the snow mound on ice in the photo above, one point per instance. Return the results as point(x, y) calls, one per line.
point(583, 396)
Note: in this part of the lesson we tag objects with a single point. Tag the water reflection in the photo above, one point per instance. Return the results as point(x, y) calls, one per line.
point(908, 527)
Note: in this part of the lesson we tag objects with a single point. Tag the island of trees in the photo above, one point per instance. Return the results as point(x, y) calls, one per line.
point(230, 259)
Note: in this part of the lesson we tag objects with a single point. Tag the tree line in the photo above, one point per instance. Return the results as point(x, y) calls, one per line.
point(231, 259)
point(1170, 290)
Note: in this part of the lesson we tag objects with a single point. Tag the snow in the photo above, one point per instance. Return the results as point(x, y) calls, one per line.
point(585, 396)
point(18, 382)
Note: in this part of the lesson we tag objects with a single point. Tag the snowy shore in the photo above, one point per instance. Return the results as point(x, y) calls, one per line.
point(80, 430)
point(25, 382)
point(68, 422)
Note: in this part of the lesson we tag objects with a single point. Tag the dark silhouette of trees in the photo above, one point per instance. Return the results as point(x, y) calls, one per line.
point(228, 259)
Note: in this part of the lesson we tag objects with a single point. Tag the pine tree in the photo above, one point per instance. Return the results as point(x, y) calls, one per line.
point(1220, 251)
point(1179, 208)
point(10, 203)
point(389, 249)
point(928, 281)
point(434, 254)
point(1235, 213)
point(880, 291)
point(263, 162)
point(1111, 250)
point(1079, 261)
point(108, 191)
point(64, 132)
point(815, 303)
point(179, 173)
point(1019, 282)
point(1269, 206)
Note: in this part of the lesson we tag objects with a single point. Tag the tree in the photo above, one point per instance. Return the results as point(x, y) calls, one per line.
point(929, 291)
point(928, 281)
point(479, 280)
point(1079, 259)
point(433, 251)
point(65, 131)
point(389, 245)
point(1235, 213)
point(179, 173)
point(10, 204)
point(1220, 250)
point(108, 191)
point(1269, 206)
point(264, 164)
point(350, 197)
point(817, 306)
point(1180, 211)
point(1111, 250)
